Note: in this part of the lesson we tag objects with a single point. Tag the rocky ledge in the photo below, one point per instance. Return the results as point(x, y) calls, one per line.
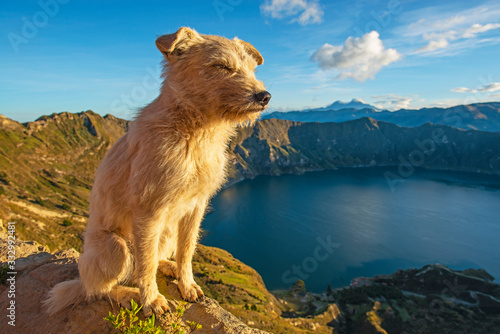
point(37, 271)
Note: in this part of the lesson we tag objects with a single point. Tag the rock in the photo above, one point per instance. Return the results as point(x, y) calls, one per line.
point(38, 271)
point(22, 248)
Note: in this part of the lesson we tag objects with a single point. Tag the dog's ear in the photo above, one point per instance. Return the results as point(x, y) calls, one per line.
point(251, 50)
point(175, 44)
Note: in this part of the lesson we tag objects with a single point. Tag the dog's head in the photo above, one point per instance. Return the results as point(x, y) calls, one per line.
point(214, 75)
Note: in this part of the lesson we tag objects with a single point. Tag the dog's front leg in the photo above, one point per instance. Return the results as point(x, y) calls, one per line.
point(146, 239)
point(186, 244)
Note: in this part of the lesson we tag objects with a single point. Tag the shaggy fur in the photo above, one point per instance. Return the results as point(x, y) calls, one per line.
point(152, 188)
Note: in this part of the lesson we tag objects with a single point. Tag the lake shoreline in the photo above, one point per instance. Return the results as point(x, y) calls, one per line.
point(227, 223)
point(232, 182)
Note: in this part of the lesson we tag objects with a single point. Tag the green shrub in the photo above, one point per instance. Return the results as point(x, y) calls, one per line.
point(127, 322)
point(39, 201)
point(65, 207)
point(67, 222)
point(3, 178)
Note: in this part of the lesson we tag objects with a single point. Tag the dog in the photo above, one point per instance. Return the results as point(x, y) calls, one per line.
point(153, 186)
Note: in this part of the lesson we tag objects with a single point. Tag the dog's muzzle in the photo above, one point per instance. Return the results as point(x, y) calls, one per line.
point(262, 98)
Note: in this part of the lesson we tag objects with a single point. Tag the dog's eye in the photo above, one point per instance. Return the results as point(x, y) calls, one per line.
point(224, 67)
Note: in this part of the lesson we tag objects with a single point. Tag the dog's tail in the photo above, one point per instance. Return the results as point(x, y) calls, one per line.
point(65, 294)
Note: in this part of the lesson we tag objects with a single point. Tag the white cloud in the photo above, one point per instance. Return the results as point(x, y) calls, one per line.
point(359, 58)
point(303, 11)
point(392, 102)
point(463, 90)
point(449, 22)
point(458, 28)
point(441, 39)
point(433, 36)
point(478, 28)
point(492, 87)
point(442, 17)
point(433, 45)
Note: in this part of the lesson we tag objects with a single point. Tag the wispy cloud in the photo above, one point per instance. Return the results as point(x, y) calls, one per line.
point(477, 28)
point(434, 45)
point(392, 102)
point(358, 58)
point(441, 40)
point(428, 24)
point(488, 88)
point(303, 12)
point(459, 28)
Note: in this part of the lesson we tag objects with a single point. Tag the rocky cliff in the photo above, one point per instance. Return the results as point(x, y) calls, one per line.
point(274, 147)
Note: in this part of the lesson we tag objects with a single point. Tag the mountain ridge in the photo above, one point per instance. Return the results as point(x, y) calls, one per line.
point(478, 116)
point(274, 147)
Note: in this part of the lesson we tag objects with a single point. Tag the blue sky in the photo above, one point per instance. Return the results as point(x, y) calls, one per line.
point(74, 55)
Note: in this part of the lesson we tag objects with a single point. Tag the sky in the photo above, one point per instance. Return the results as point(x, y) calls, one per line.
point(76, 55)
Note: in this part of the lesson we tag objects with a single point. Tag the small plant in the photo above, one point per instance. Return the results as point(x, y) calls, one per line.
point(39, 201)
point(65, 207)
point(176, 325)
point(3, 178)
point(127, 322)
point(67, 222)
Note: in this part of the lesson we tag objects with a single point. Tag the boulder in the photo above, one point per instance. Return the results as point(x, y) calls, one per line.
point(37, 271)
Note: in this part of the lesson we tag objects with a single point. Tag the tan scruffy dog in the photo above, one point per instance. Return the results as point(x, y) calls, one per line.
point(152, 188)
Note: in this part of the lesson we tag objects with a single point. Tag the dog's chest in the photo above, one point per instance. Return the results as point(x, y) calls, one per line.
point(206, 159)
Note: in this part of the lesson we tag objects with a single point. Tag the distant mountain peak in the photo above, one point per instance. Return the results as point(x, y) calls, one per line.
point(353, 104)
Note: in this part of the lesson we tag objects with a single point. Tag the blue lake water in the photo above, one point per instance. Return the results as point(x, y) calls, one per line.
point(330, 227)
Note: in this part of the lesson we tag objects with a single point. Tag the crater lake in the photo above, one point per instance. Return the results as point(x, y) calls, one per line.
point(332, 226)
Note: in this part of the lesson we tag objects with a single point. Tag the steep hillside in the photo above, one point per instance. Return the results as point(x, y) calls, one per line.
point(46, 171)
point(47, 166)
point(275, 147)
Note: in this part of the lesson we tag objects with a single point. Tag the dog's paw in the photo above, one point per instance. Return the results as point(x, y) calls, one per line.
point(158, 306)
point(123, 295)
point(190, 291)
point(169, 268)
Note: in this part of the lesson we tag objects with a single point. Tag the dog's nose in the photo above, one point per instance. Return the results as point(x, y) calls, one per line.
point(263, 97)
